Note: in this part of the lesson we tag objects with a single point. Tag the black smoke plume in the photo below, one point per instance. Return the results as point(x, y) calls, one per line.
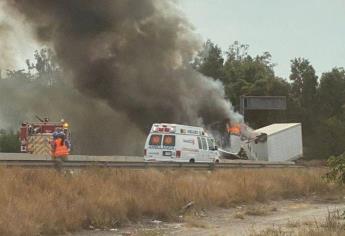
point(132, 54)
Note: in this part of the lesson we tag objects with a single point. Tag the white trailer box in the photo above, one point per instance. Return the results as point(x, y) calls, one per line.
point(283, 143)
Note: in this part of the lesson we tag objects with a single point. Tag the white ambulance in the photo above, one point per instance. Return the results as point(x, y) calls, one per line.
point(180, 143)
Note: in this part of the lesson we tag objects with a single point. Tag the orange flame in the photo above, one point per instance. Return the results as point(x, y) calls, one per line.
point(234, 129)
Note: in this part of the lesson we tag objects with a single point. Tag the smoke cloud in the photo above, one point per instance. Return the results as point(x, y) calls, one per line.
point(16, 45)
point(131, 56)
point(96, 128)
point(6, 59)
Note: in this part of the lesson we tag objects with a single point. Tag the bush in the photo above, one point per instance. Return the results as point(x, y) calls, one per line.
point(337, 169)
point(9, 141)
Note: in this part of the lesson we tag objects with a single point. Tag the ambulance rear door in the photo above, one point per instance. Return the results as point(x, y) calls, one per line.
point(203, 150)
point(153, 147)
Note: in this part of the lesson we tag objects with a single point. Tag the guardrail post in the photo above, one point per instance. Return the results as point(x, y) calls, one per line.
point(211, 166)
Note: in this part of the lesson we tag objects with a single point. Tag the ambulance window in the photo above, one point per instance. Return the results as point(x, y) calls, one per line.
point(210, 143)
point(169, 140)
point(155, 140)
point(199, 142)
point(204, 144)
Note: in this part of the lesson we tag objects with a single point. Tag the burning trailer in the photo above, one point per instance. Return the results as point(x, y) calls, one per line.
point(276, 142)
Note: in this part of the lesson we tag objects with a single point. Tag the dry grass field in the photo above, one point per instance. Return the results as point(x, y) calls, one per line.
point(332, 225)
point(44, 201)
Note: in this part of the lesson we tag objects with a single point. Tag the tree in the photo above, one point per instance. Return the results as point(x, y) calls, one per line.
point(242, 71)
point(46, 66)
point(210, 61)
point(9, 141)
point(304, 90)
point(304, 82)
point(331, 93)
point(330, 115)
point(303, 94)
point(247, 75)
point(18, 75)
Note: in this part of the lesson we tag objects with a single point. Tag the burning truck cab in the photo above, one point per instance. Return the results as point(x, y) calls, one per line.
point(230, 136)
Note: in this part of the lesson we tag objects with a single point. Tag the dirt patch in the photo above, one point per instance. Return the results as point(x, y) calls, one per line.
point(240, 220)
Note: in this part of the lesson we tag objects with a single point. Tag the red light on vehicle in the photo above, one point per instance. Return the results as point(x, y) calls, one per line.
point(166, 129)
point(160, 129)
point(178, 154)
point(144, 152)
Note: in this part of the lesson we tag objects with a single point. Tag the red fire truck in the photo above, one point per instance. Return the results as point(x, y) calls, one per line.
point(36, 137)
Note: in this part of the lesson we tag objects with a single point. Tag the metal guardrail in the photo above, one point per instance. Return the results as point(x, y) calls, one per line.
point(134, 162)
point(139, 165)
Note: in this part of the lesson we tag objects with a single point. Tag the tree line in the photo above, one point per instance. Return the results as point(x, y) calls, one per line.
point(317, 102)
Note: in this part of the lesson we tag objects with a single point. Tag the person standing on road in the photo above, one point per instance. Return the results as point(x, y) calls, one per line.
point(59, 147)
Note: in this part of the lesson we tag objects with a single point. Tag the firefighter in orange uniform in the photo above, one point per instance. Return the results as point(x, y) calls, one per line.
point(59, 147)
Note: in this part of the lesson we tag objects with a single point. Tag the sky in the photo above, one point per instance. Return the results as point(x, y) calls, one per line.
point(313, 29)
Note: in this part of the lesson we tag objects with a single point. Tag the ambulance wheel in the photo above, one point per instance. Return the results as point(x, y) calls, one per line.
point(217, 161)
point(191, 161)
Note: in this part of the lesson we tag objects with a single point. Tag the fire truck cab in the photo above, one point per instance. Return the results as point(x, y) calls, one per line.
point(179, 143)
point(36, 137)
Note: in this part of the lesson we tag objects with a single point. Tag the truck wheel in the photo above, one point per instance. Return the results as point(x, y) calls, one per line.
point(242, 154)
point(217, 161)
point(191, 161)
